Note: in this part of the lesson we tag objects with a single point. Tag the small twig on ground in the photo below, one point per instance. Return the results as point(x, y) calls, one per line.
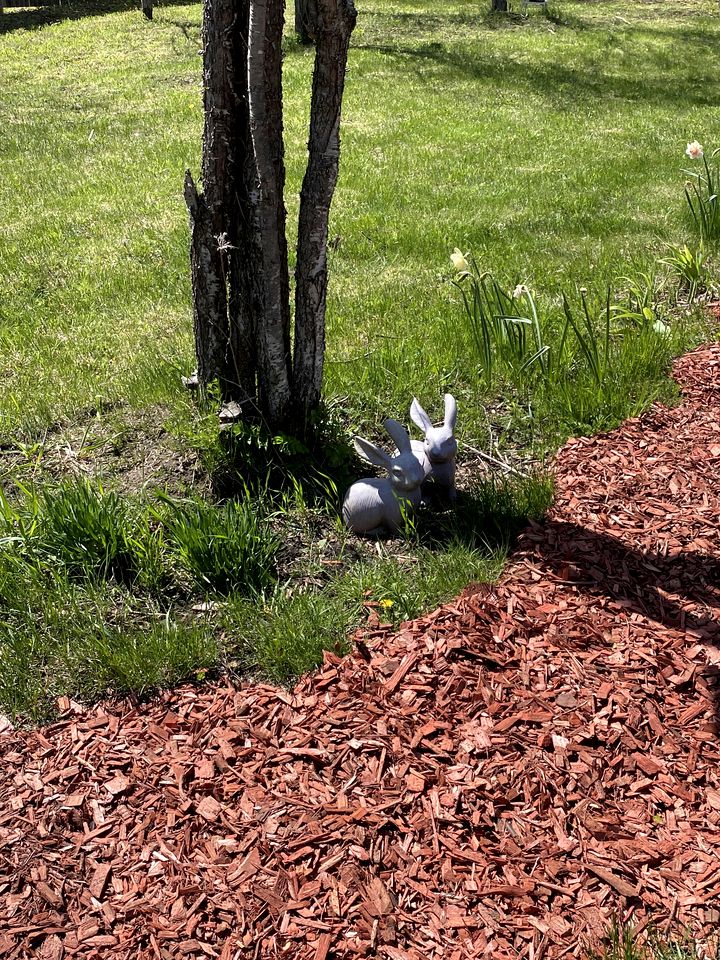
point(494, 460)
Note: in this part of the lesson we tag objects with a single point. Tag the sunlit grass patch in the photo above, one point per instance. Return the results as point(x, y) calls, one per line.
point(102, 593)
point(574, 170)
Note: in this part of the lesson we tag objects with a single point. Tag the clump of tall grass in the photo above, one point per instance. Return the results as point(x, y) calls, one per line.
point(226, 549)
point(621, 942)
point(75, 526)
point(92, 534)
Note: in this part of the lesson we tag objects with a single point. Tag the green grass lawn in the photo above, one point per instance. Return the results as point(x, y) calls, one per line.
point(552, 147)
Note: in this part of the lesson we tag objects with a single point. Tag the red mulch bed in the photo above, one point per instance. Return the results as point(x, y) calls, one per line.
point(496, 779)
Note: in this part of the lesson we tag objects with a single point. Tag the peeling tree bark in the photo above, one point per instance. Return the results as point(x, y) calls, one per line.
point(336, 19)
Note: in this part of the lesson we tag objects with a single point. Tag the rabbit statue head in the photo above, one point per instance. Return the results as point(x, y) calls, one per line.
point(440, 445)
point(373, 505)
point(404, 472)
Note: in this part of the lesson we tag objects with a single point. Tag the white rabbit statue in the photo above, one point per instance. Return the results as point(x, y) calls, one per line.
point(375, 506)
point(437, 451)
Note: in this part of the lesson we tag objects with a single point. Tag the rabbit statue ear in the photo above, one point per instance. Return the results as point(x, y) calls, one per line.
point(399, 434)
point(419, 417)
point(368, 451)
point(450, 411)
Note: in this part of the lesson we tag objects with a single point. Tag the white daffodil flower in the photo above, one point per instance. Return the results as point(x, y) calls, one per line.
point(459, 260)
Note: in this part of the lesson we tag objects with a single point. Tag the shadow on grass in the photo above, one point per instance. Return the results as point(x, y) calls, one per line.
point(678, 592)
point(246, 457)
point(689, 36)
point(33, 18)
point(427, 24)
point(489, 515)
point(561, 85)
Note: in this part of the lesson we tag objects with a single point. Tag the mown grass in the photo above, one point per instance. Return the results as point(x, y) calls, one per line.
point(551, 147)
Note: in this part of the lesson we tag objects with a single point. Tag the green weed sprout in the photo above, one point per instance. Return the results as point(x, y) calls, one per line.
point(689, 267)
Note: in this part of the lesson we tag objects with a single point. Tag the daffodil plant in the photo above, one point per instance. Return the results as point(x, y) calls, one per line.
point(499, 330)
point(701, 193)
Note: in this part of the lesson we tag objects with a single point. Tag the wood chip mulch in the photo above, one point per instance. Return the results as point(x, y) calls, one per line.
point(496, 779)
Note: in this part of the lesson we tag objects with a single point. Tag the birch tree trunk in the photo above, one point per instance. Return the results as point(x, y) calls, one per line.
point(221, 222)
point(265, 89)
point(238, 245)
point(335, 22)
point(208, 283)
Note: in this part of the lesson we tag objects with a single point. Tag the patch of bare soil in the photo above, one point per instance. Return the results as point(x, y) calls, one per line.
point(495, 779)
point(131, 450)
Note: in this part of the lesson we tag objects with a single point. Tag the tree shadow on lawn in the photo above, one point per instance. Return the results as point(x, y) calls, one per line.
point(561, 85)
point(428, 24)
point(34, 18)
point(689, 37)
point(679, 592)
